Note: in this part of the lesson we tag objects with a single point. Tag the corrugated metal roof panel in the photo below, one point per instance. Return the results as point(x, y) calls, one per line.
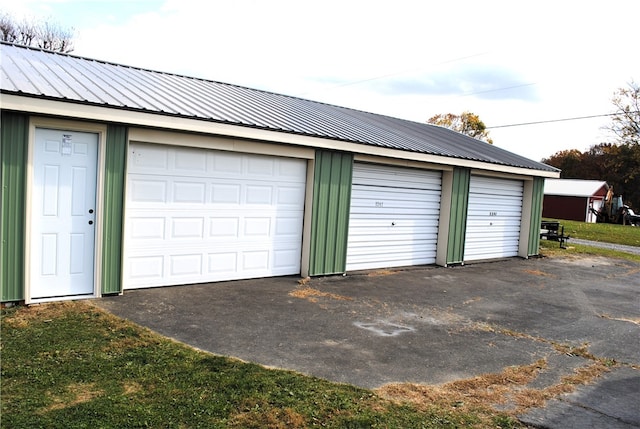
point(573, 187)
point(51, 75)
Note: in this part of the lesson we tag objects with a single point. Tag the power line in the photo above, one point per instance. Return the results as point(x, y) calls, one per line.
point(497, 89)
point(559, 120)
point(379, 77)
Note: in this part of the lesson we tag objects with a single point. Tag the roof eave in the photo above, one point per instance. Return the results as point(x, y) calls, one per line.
point(86, 111)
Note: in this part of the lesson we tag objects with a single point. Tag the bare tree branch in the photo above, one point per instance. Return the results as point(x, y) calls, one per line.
point(45, 35)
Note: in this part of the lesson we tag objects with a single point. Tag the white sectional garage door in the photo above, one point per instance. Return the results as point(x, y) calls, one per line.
point(493, 219)
point(394, 215)
point(197, 215)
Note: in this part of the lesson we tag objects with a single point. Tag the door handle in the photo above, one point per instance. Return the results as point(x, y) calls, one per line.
point(90, 222)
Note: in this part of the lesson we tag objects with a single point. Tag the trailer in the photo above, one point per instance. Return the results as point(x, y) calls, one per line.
point(552, 230)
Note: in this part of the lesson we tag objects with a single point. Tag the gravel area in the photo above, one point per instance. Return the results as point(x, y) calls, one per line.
point(619, 247)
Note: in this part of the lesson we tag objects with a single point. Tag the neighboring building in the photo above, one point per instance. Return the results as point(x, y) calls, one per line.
point(572, 199)
point(117, 178)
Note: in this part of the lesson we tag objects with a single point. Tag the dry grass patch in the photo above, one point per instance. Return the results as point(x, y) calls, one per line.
point(536, 398)
point(312, 295)
point(488, 393)
point(634, 320)
point(25, 315)
point(483, 392)
point(380, 273)
point(539, 273)
point(131, 388)
point(77, 393)
point(581, 350)
point(263, 415)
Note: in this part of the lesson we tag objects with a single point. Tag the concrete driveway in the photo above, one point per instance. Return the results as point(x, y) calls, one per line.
point(427, 325)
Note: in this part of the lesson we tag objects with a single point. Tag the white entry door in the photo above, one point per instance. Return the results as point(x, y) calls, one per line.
point(63, 214)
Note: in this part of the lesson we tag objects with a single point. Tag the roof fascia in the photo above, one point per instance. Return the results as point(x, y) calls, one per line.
point(143, 119)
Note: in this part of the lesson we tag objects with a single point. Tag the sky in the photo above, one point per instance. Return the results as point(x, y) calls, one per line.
point(510, 62)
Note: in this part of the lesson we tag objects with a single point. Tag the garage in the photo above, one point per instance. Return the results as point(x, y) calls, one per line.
point(493, 218)
point(197, 215)
point(393, 219)
point(200, 181)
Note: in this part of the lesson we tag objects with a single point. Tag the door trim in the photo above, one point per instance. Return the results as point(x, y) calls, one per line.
point(77, 126)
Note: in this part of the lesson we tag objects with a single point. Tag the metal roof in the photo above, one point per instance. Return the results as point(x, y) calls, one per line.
point(37, 73)
point(574, 187)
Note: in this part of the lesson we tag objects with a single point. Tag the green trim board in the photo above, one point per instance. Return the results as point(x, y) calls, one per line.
point(113, 209)
point(14, 142)
point(330, 213)
point(536, 216)
point(458, 215)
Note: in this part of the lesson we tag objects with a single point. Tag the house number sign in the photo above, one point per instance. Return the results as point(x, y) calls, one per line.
point(493, 213)
point(379, 204)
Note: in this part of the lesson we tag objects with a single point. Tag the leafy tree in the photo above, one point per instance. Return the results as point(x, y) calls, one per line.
point(466, 123)
point(39, 34)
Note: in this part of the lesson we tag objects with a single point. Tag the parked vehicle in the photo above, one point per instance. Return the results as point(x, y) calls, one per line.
point(614, 210)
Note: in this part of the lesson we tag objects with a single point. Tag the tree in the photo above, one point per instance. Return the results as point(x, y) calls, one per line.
point(466, 123)
point(39, 34)
point(617, 164)
point(626, 124)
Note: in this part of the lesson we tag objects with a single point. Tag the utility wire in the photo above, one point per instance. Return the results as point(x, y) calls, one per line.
point(357, 82)
point(559, 120)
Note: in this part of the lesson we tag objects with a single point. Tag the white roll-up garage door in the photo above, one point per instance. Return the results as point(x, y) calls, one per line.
point(493, 219)
point(196, 215)
point(394, 215)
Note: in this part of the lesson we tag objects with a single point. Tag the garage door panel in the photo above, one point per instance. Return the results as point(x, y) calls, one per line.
point(242, 221)
point(394, 217)
point(395, 257)
point(383, 240)
point(493, 218)
point(395, 177)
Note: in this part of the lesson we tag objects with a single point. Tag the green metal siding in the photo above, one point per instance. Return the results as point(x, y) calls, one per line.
point(536, 216)
point(13, 162)
point(458, 217)
point(330, 216)
point(113, 209)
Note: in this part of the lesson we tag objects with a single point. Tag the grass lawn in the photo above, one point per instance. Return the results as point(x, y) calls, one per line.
point(605, 232)
point(72, 365)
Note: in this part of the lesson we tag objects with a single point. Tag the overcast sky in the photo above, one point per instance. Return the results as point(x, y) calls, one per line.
point(510, 62)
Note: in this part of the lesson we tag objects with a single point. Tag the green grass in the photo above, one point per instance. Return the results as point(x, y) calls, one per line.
point(605, 232)
point(72, 365)
point(552, 248)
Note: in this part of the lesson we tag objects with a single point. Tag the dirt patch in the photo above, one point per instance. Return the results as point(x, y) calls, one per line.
point(585, 261)
point(539, 273)
point(312, 295)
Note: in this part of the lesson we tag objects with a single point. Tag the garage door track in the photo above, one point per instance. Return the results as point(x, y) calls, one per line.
point(568, 317)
